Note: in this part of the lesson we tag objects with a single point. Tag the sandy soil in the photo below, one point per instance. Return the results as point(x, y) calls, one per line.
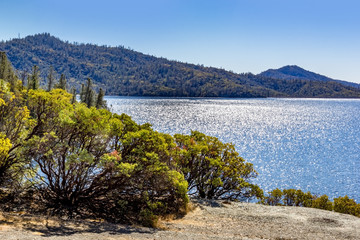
point(209, 220)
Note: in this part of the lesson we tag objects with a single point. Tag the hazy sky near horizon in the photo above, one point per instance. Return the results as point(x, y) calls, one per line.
point(239, 35)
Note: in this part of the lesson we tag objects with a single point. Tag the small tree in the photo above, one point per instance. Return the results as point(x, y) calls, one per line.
point(303, 199)
point(7, 73)
point(4, 66)
point(346, 205)
point(87, 94)
point(22, 76)
point(213, 169)
point(289, 197)
point(275, 197)
point(62, 82)
point(50, 78)
point(322, 202)
point(33, 79)
point(78, 170)
point(82, 93)
point(14, 129)
point(100, 102)
point(72, 162)
point(73, 92)
point(155, 187)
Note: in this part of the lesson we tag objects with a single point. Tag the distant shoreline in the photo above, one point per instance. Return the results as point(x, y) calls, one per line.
point(232, 98)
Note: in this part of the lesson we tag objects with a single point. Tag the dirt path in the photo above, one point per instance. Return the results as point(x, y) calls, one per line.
point(209, 220)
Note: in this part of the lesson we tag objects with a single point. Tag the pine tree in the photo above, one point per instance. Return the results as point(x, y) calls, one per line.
point(6, 71)
point(28, 81)
point(33, 79)
point(51, 78)
point(91, 98)
point(62, 82)
point(73, 92)
point(89, 93)
point(23, 75)
point(100, 102)
point(82, 93)
point(4, 65)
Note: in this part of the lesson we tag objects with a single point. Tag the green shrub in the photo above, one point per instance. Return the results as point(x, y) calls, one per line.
point(214, 170)
point(322, 202)
point(346, 205)
point(290, 197)
point(303, 199)
point(274, 198)
point(89, 161)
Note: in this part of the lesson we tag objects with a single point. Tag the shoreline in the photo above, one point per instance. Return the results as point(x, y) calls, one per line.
point(208, 220)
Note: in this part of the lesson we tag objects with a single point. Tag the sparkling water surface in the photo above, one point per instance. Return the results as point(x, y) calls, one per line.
point(308, 144)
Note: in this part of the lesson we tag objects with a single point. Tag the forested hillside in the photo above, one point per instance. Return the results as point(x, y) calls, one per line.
point(121, 71)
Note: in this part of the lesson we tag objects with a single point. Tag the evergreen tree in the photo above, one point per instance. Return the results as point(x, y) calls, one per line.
point(89, 94)
point(22, 75)
point(51, 78)
point(6, 71)
point(82, 93)
point(91, 98)
point(73, 92)
point(4, 66)
point(62, 82)
point(100, 102)
point(33, 79)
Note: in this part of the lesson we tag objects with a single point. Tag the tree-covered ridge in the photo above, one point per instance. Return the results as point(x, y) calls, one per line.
point(121, 71)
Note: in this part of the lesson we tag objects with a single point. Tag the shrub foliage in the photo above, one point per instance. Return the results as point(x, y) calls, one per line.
point(292, 197)
point(214, 170)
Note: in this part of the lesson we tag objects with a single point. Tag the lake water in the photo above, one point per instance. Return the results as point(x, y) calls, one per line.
point(308, 144)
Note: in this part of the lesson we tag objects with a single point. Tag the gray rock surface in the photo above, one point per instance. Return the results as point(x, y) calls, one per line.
point(209, 220)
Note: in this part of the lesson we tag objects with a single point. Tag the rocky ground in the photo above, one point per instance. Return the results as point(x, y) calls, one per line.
point(208, 220)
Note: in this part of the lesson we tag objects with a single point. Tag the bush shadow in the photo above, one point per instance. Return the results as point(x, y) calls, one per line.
point(70, 227)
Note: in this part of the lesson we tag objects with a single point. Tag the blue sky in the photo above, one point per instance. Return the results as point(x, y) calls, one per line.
point(242, 36)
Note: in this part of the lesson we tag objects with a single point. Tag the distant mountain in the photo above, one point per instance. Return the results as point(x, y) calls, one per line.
point(121, 71)
point(295, 72)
